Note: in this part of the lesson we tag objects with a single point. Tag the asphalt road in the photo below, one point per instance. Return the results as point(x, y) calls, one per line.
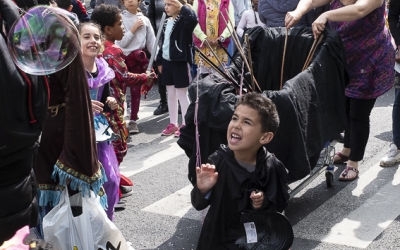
point(363, 214)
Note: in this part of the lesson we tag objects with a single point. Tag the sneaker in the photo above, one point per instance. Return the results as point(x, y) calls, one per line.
point(178, 132)
point(170, 129)
point(126, 191)
point(133, 128)
point(392, 158)
point(161, 109)
point(121, 204)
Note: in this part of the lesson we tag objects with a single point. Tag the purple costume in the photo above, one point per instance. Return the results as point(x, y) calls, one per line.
point(105, 150)
point(369, 52)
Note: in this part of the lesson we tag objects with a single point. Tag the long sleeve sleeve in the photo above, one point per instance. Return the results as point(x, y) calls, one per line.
point(242, 24)
point(127, 38)
point(116, 62)
point(199, 202)
point(197, 30)
point(226, 33)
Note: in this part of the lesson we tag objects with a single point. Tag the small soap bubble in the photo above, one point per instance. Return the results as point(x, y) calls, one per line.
point(44, 40)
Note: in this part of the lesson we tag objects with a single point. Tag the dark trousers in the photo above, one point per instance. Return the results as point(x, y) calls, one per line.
point(396, 118)
point(162, 89)
point(357, 126)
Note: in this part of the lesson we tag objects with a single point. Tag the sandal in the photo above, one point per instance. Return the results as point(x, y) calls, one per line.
point(346, 171)
point(342, 158)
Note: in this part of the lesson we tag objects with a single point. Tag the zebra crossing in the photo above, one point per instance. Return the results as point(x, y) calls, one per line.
point(363, 214)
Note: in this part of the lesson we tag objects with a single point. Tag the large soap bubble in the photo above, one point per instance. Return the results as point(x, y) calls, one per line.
point(43, 41)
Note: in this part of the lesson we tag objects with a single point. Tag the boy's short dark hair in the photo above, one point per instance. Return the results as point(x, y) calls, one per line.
point(105, 15)
point(64, 4)
point(266, 109)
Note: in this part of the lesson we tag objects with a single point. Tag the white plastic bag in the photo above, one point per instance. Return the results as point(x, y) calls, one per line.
point(65, 231)
point(91, 230)
point(105, 234)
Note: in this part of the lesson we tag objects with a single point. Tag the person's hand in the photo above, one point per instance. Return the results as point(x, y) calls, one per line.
point(112, 103)
point(139, 23)
point(97, 106)
point(159, 67)
point(150, 77)
point(292, 18)
point(318, 25)
point(257, 199)
point(398, 54)
point(210, 41)
point(206, 177)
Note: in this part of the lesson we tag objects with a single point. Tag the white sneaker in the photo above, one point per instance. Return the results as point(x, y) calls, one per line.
point(392, 158)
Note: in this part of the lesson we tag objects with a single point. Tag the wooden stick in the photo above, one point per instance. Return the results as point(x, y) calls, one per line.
point(283, 59)
point(312, 51)
point(216, 57)
point(239, 47)
point(215, 67)
point(246, 37)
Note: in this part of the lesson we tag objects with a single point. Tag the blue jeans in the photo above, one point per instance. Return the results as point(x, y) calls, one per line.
point(396, 118)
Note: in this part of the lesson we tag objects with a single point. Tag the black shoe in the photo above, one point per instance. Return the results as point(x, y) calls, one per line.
point(120, 205)
point(161, 109)
point(126, 191)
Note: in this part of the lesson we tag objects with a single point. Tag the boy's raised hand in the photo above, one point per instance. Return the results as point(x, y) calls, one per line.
point(206, 178)
point(257, 198)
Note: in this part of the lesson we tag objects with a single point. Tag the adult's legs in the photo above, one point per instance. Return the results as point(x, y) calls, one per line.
point(396, 119)
point(357, 131)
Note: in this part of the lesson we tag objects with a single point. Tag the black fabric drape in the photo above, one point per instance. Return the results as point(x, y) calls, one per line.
point(310, 105)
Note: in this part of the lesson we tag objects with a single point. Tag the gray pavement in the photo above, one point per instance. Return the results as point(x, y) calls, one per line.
point(363, 214)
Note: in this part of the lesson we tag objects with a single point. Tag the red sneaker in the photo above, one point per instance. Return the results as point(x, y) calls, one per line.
point(178, 132)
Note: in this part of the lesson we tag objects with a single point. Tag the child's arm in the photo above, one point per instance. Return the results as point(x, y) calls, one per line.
point(242, 24)
point(206, 179)
point(226, 33)
point(198, 32)
point(117, 63)
point(189, 17)
point(130, 32)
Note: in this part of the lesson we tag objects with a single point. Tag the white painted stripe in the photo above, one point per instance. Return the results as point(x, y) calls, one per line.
point(146, 158)
point(176, 204)
point(361, 226)
point(364, 224)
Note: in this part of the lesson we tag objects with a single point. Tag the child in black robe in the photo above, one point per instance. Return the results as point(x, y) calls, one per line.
point(242, 176)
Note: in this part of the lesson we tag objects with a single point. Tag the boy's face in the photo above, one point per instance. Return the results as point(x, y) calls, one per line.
point(171, 8)
point(117, 31)
point(245, 131)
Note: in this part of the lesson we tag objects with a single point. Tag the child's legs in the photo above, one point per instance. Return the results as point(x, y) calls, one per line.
point(172, 104)
point(127, 104)
point(135, 101)
point(109, 161)
point(182, 94)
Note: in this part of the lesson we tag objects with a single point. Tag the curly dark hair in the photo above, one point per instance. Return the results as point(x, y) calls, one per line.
point(266, 109)
point(105, 15)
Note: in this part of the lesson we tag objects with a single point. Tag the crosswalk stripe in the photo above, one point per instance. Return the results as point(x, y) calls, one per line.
point(176, 204)
point(145, 159)
point(362, 225)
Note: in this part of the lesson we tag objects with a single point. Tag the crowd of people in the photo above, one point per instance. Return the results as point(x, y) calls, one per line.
point(106, 80)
